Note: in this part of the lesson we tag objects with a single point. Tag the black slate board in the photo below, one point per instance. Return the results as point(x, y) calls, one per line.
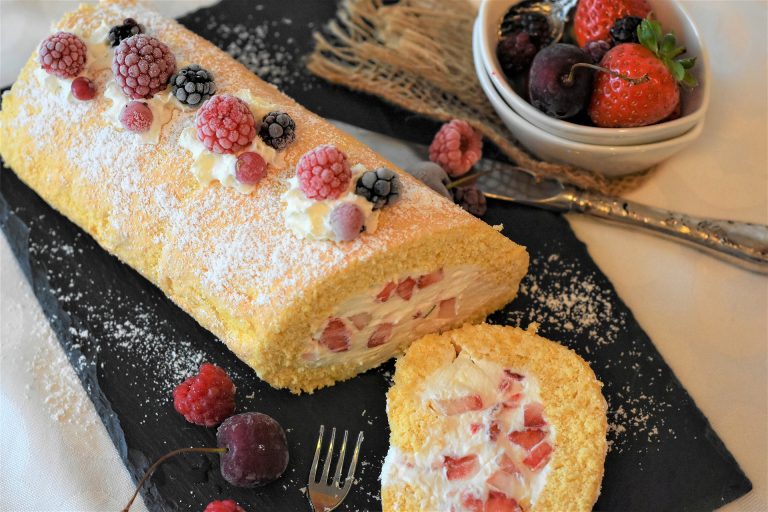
point(130, 345)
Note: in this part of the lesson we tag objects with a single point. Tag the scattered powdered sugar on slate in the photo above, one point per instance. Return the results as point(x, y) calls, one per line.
point(572, 308)
point(257, 45)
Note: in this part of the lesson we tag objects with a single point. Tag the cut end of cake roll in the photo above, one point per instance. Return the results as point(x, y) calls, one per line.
point(493, 418)
point(303, 301)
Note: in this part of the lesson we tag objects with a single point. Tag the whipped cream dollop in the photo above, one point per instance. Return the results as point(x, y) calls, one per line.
point(495, 443)
point(311, 219)
point(208, 166)
point(161, 105)
point(98, 56)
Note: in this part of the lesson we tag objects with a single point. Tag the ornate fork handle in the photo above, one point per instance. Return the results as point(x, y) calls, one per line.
point(743, 243)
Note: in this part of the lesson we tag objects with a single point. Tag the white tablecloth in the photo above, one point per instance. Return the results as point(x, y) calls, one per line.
point(708, 319)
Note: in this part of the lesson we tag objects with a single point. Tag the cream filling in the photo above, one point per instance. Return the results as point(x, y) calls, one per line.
point(310, 219)
point(425, 469)
point(208, 166)
point(410, 319)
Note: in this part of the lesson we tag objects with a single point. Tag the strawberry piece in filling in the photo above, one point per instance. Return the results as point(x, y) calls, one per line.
point(507, 465)
point(527, 439)
point(475, 428)
point(386, 292)
point(431, 278)
point(452, 406)
point(494, 430)
point(360, 320)
point(534, 415)
point(335, 336)
point(538, 456)
point(500, 502)
point(381, 335)
point(447, 308)
point(405, 288)
point(471, 502)
point(460, 468)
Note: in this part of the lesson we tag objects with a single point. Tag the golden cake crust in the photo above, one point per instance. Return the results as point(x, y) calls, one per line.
point(224, 257)
point(568, 388)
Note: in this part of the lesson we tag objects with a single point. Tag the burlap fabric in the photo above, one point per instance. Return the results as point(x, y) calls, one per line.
point(418, 54)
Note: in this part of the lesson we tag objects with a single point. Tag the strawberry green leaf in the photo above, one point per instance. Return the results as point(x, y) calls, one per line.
point(677, 69)
point(667, 45)
point(689, 80)
point(688, 63)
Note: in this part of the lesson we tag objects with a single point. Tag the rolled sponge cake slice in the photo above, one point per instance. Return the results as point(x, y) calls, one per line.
point(493, 418)
point(303, 313)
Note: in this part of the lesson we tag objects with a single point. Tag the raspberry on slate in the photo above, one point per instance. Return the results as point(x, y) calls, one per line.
point(257, 449)
point(224, 506)
point(456, 147)
point(225, 124)
point(323, 172)
point(142, 66)
point(128, 29)
point(347, 221)
point(192, 85)
point(381, 187)
point(277, 130)
point(207, 398)
point(63, 55)
point(515, 52)
point(83, 89)
point(136, 117)
point(250, 168)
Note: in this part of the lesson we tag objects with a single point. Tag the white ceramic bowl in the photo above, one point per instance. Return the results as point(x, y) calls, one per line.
point(609, 160)
point(694, 103)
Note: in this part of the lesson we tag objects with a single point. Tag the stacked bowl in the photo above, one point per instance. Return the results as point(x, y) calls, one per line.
point(610, 151)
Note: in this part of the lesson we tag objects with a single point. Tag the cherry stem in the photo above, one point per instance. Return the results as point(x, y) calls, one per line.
point(162, 459)
point(634, 81)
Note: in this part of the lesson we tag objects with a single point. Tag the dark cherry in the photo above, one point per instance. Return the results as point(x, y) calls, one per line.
point(558, 84)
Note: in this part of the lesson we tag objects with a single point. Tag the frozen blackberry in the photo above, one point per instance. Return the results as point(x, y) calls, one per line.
point(277, 130)
point(129, 28)
point(624, 30)
point(534, 24)
point(193, 85)
point(381, 187)
point(471, 199)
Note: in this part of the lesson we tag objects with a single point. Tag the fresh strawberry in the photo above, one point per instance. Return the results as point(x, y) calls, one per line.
point(594, 18)
point(647, 90)
point(460, 468)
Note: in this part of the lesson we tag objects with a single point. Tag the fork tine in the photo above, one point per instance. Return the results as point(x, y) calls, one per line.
point(313, 469)
point(340, 464)
point(353, 464)
point(328, 457)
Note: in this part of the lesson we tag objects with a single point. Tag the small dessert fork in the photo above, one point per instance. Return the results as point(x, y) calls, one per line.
point(323, 496)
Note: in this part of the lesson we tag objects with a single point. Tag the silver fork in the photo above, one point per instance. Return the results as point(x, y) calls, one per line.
point(323, 496)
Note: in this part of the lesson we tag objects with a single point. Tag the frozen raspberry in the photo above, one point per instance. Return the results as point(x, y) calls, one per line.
point(206, 398)
point(63, 55)
point(250, 168)
point(323, 172)
point(456, 147)
point(142, 66)
point(83, 89)
point(347, 221)
point(225, 124)
point(223, 506)
point(257, 450)
point(136, 117)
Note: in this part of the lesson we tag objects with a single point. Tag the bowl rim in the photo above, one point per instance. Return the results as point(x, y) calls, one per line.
point(494, 96)
point(491, 63)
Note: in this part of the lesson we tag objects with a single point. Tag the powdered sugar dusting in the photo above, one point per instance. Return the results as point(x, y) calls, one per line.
point(572, 306)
